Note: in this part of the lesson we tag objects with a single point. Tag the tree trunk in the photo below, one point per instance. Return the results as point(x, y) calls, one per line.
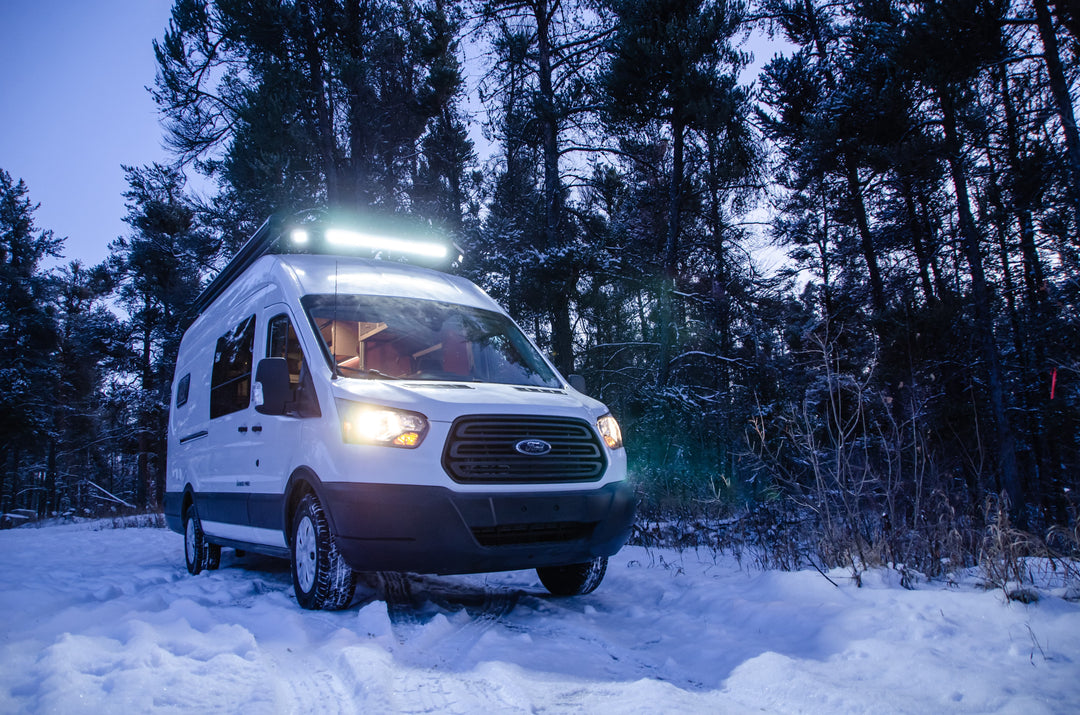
point(1034, 277)
point(877, 287)
point(1059, 88)
point(918, 240)
point(561, 297)
point(671, 254)
point(145, 419)
point(721, 295)
point(49, 503)
point(1032, 348)
point(325, 127)
point(549, 128)
point(16, 457)
point(824, 257)
point(1009, 480)
point(3, 481)
point(940, 284)
point(562, 328)
point(454, 171)
point(360, 99)
point(1000, 224)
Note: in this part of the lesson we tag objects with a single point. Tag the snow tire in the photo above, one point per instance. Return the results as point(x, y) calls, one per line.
point(574, 579)
point(199, 554)
point(321, 578)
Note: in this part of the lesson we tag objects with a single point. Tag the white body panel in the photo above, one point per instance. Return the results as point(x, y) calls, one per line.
point(245, 460)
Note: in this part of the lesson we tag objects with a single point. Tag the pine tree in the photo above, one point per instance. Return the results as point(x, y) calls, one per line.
point(158, 268)
point(546, 52)
point(90, 350)
point(672, 65)
point(28, 337)
point(953, 41)
point(439, 191)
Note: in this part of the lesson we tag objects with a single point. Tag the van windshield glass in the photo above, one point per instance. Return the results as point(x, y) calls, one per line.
point(384, 337)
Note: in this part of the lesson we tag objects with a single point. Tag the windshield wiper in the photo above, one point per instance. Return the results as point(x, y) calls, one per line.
point(368, 372)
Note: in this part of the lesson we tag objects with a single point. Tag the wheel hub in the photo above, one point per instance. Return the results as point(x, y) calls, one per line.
point(305, 554)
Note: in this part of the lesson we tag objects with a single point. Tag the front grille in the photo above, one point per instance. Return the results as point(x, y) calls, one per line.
point(517, 534)
point(481, 450)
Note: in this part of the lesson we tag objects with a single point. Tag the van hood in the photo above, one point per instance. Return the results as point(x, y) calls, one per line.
point(446, 401)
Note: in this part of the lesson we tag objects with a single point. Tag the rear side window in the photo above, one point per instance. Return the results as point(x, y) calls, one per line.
point(182, 390)
point(230, 381)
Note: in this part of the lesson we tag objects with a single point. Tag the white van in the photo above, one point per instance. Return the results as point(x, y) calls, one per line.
point(354, 414)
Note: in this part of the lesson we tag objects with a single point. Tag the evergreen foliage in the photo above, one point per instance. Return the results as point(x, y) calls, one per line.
point(914, 357)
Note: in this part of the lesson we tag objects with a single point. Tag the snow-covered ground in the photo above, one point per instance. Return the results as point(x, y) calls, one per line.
point(109, 621)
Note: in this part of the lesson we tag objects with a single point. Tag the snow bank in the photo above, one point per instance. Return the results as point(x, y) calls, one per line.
point(109, 621)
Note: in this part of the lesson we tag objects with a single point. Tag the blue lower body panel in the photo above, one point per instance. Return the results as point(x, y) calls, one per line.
point(383, 527)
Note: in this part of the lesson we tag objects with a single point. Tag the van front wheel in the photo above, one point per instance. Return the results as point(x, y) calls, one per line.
point(575, 579)
point(199, 554)
point(321, 578)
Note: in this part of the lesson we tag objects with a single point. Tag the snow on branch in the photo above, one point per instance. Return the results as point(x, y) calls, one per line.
point(692, 353)
point(109, 496)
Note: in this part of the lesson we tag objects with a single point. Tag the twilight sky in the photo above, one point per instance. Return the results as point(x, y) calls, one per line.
point(73, 108)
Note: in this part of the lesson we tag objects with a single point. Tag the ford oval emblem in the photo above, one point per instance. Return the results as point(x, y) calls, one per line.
point(533, 447)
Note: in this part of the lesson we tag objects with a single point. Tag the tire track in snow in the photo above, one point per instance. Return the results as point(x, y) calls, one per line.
point(636, 656)
point(436, 625)
point(315, 691)
point(414, 603)
point(413, 600)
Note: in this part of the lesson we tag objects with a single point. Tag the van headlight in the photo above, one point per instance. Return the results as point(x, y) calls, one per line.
point(373, 424)
point(609, 430)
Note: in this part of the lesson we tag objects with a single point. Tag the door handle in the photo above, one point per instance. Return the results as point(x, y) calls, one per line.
point(242, 428)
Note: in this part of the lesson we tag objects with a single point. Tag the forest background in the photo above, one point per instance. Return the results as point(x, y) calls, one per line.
point(904, 390)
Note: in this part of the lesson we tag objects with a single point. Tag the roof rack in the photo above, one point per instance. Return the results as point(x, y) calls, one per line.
point(314, 231)
point(260, 244)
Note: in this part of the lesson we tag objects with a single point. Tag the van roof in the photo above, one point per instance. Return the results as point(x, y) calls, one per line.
point(271, 239)
point(327, 275)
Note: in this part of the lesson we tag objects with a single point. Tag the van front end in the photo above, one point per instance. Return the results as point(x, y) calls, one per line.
point(489, 492)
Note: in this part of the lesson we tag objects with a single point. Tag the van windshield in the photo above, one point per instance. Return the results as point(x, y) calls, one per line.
point(385, 337)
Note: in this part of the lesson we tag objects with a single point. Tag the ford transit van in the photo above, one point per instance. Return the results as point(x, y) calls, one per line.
point(358, 414)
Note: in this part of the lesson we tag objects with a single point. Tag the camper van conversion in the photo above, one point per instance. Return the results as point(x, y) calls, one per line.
point(359, 414)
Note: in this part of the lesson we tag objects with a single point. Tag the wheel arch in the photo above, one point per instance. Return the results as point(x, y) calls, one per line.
point(185, 501)
point(302, 481)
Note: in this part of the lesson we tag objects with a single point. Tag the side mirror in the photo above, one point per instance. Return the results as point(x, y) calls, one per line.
point(577, 382)
point(272, 386)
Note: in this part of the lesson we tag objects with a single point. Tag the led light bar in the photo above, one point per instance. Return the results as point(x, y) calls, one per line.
point(276, 236)
point(356, 239)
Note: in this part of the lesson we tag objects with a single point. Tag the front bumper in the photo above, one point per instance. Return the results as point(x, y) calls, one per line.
point(382, 527)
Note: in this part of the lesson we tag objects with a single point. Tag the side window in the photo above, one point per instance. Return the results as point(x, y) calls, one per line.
point(182, 389)
point(230, 381)
point(281, 341)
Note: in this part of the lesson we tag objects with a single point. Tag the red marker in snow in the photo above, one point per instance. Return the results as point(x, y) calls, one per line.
point(1053, 382)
